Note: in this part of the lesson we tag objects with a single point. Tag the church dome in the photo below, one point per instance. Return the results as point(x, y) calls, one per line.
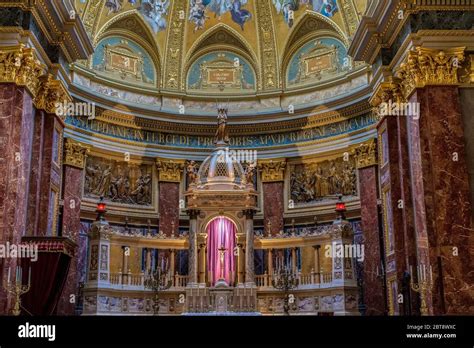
point(221, 168)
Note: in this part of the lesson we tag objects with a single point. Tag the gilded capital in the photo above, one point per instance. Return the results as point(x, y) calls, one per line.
point(75, 154)
point(169, 170)
point(366, 154)
point(51, 92)
point(272, 170)
point(427, 66)
point(18, 65)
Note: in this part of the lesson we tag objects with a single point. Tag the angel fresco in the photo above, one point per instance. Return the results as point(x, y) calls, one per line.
point(288, 7)
point(198, 9)
point(113, 6)
point(154, 12)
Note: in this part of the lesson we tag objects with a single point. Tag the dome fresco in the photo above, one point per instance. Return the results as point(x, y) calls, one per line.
point(176, 37)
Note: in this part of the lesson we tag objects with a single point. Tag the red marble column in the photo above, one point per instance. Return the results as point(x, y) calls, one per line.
point(74, 162)
point(373, 287)
point(168, 206)
point(169, 174)
point(273, 206)
point(395, 207)
point(273, 177)
point(440, 184)
point(16, 140)
point(35, 177)
point(50, 183)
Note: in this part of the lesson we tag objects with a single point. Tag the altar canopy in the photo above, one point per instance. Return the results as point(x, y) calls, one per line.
point(221, 233)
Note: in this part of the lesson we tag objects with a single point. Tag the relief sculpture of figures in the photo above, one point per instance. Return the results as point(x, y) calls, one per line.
point(118, 182)
point(314, 182)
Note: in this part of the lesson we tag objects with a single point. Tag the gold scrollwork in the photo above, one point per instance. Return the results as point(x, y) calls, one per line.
point(169, 170)
point(272, 170)
point(427, 66)
point(19, 65)
point(366, 154)
point(75, 154)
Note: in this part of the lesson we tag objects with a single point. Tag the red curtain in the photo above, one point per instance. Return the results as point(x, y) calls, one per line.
point(48, 276)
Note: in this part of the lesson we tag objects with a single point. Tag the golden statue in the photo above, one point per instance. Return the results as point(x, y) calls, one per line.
point(222, 133)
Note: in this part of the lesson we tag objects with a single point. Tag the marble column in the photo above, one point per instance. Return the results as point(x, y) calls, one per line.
point(73, 168)
point(439, 177)
point(193, 248)
point(373, 288)
point(169, 175)
point(441, 197)
point(273, 177)
point(249, 248)
point(16, 136)
point(50, 175)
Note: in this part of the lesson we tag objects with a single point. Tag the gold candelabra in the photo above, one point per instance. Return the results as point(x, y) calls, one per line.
point(423, 286)
point(16, 288)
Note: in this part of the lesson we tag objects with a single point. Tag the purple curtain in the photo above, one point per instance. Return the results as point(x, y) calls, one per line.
point(221, 233)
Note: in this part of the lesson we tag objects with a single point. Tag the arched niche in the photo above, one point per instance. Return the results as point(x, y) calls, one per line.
point(317, 60)
point(121, 59)
point(221, 72)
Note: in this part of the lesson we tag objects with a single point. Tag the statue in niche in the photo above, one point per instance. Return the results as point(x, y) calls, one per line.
point(249, 174)
point(315, 182)
point(192, 171)
point(118, 182)
point(222, 134)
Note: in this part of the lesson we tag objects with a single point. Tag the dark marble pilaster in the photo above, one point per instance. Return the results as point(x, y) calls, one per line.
point(74, 161)
point(50, 176)
point(16, 140)
point(273, 206)
point(373, 288)
point(168, 207)
point(440, 183)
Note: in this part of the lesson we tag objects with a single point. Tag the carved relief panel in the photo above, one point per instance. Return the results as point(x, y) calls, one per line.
point(315, 182)
point(117, 181)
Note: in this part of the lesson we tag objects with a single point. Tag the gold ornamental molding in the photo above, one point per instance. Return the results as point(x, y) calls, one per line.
point(19, 65)
point(272, 170)
point(75, 154)
point(50, 94)
point(386, 92)
point(366, 154)
point(169, 170)
point(427, 66)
